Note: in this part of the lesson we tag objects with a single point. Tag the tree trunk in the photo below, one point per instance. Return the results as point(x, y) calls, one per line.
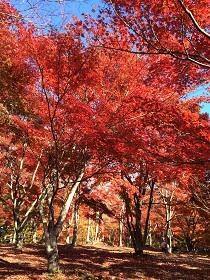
point(135, 227)
point(147, 223)
point(18, 234)
point(19, 239)
point(169, 240)
point(88, 230)
point(150, 234)
point(138, 242)
point(189, 243)
point(121, 222)
point(169, 215)
point(34, 237)
point(14, 236)
point(33, 231)
point(52, 229)
point(76, 223)
point(52, 251)
point(97, 227)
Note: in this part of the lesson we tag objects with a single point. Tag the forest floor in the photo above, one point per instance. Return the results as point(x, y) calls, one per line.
point(101, 262)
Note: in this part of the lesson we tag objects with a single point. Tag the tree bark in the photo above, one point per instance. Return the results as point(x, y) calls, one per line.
point(167, 197)
point(121, 222)
point(52, 229)
point(76, 223)
point(19, 239)
point(97, 227)
point(52, 251)
point(88, 230)
point(134, 223)
point(146, 228)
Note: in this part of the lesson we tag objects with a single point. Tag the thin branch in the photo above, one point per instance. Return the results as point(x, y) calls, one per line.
point(194, 21)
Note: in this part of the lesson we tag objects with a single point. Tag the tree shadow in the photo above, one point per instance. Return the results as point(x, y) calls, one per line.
point(103, 263)
point(124, 265)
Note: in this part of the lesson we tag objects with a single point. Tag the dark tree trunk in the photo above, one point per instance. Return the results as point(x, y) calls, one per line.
point(138, 246)
point(189, 243)
point(146, 228)
point(134, 223)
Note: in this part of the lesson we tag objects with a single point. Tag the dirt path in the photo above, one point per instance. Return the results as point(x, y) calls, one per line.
point(102, 263)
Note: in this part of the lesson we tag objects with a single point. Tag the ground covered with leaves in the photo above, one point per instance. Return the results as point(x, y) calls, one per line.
point(101, 262)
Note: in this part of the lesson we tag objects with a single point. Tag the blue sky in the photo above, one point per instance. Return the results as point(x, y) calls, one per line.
point(205, 108)
point(59, 12)
point(202, 90)
point(54, 12)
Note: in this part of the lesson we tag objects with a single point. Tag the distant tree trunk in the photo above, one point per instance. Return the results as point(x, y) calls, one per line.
point(102, 231)
point(147, 223)
point(34, 233)
point(88, 230)
point(97, 226)
point(167, 197)
point(150, 234)
point(121, 223)
point(69, 225)
point(169, 234)
point(34, 237)
point(21, 220)
point(76, 223)
point(189, 243)
point(13, 239)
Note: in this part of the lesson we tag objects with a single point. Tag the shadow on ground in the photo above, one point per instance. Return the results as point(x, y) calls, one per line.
point(102, 263)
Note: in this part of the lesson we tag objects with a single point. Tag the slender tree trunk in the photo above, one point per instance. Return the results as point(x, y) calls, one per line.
point(167, 198)
point(121, 223)
point(14, 236)
point(139, 244)
point(33, 231)
point(88, 230)
point(169, 236)
point(76, 223)
point(34, 237)
point(148, 212)
point(97, 227)
point(150, 234)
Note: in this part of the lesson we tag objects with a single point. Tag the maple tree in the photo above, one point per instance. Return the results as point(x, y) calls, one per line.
point(19, 127)
point(83, 128)
point(175, 28)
